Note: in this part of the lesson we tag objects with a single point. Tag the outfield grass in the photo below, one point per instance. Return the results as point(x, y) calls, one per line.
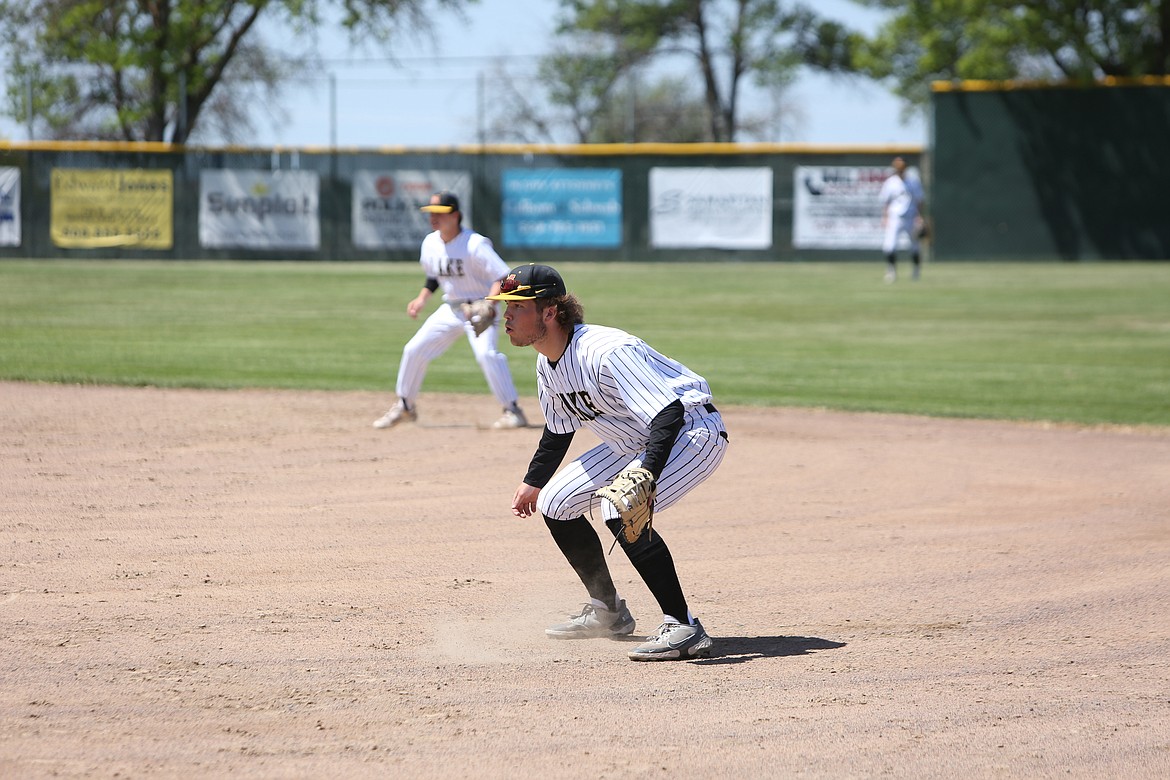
point(1085, 343)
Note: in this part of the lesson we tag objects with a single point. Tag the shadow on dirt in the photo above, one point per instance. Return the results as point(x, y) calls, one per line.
point(740, 649)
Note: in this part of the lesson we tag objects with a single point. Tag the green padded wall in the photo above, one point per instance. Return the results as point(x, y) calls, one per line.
point(1024, 172)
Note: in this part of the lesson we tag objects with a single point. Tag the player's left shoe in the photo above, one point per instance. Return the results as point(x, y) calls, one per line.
point(513, 418)
point(674, 642)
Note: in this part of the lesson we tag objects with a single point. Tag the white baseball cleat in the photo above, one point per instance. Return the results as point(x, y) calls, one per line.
point(593, 622)
point(398, 413)
point(513, 418)
point(674, 642)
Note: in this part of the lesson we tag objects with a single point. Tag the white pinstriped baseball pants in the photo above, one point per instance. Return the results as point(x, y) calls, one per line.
point(696, 454)
point(438, 332)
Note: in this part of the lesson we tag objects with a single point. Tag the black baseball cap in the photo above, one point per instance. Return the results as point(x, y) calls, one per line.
point(528, 282)
point(442, 203)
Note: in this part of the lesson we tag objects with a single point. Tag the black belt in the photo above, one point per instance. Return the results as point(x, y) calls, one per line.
point(710, 408)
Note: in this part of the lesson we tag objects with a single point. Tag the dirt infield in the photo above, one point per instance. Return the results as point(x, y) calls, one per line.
point(259, 584)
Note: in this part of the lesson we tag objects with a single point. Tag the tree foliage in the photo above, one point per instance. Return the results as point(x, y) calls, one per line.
point(158, 70)
point(724, 41)
point(590, 102)
point(1071, 40)
point(667, 109)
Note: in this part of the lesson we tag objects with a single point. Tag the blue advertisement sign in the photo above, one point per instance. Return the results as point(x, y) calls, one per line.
point(563, 208)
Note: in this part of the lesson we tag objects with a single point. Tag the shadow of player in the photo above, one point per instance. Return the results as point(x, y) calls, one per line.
point(741, 649)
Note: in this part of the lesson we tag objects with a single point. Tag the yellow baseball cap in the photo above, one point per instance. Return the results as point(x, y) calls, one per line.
point(442, 203)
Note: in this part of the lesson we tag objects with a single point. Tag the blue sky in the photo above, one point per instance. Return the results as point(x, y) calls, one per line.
point(429, 98)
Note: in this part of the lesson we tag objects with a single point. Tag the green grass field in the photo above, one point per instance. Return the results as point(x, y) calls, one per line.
point(1083, 343)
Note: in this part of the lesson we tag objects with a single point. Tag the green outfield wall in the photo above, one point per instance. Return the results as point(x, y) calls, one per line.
point(1015, 171)
point(641, 202)
point(1026, 171)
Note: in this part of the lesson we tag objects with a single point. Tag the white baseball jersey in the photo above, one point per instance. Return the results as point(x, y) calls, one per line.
point(901, 197)
point(466, 266)
point(614, 384)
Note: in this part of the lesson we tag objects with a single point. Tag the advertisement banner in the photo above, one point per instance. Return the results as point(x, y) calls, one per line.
point(837, 207)
point(562, 208)
point(725, 208)
point(105, 207)
point(259, 210)
point(9, 206)
point(386, 205)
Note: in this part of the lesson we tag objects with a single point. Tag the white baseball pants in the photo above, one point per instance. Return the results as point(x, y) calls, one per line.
point(895, 226)
point(696, 454)
point(440, 330)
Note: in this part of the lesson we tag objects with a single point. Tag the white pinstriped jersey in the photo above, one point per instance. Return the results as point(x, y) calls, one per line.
point(466, 266)
point(613, 384)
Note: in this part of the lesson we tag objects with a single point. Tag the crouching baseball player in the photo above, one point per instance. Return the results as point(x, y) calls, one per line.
point(660, 438)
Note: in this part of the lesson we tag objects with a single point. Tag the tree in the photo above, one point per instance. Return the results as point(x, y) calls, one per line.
point(157, 70)
point(723, 40)
point(590, 99)
point(1072, 40)
point(576, 85)
point(666, 110)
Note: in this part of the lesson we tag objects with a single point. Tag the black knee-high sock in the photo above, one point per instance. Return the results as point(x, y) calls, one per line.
point(653, 562)
point(582, 548)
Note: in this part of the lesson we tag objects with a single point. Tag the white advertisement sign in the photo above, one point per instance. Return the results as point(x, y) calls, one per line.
point(837, 207)
point(726, 208)
point(259, 210)
point(9, 206)
point(386, 205)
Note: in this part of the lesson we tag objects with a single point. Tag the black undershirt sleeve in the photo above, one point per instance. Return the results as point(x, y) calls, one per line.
point(664, 430)
point(432, 283)
point(549, 454)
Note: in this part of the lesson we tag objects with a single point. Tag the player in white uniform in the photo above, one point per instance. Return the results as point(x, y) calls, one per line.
point(466, 266)
point(647, 409)
point(902, 202)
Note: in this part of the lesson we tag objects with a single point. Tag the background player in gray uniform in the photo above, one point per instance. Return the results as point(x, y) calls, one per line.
point(647, 409)
point(902, 202)
point(466, 266)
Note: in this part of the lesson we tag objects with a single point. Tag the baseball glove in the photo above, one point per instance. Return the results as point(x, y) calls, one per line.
point(631, 494)
point(481, 314)
point(923, 229)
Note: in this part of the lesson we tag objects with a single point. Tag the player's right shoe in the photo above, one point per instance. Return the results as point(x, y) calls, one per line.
point(398, 413)
point(594, 622)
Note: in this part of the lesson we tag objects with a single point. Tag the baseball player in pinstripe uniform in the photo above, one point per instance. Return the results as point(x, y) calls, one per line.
point(466, 266)
point(648, 410)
